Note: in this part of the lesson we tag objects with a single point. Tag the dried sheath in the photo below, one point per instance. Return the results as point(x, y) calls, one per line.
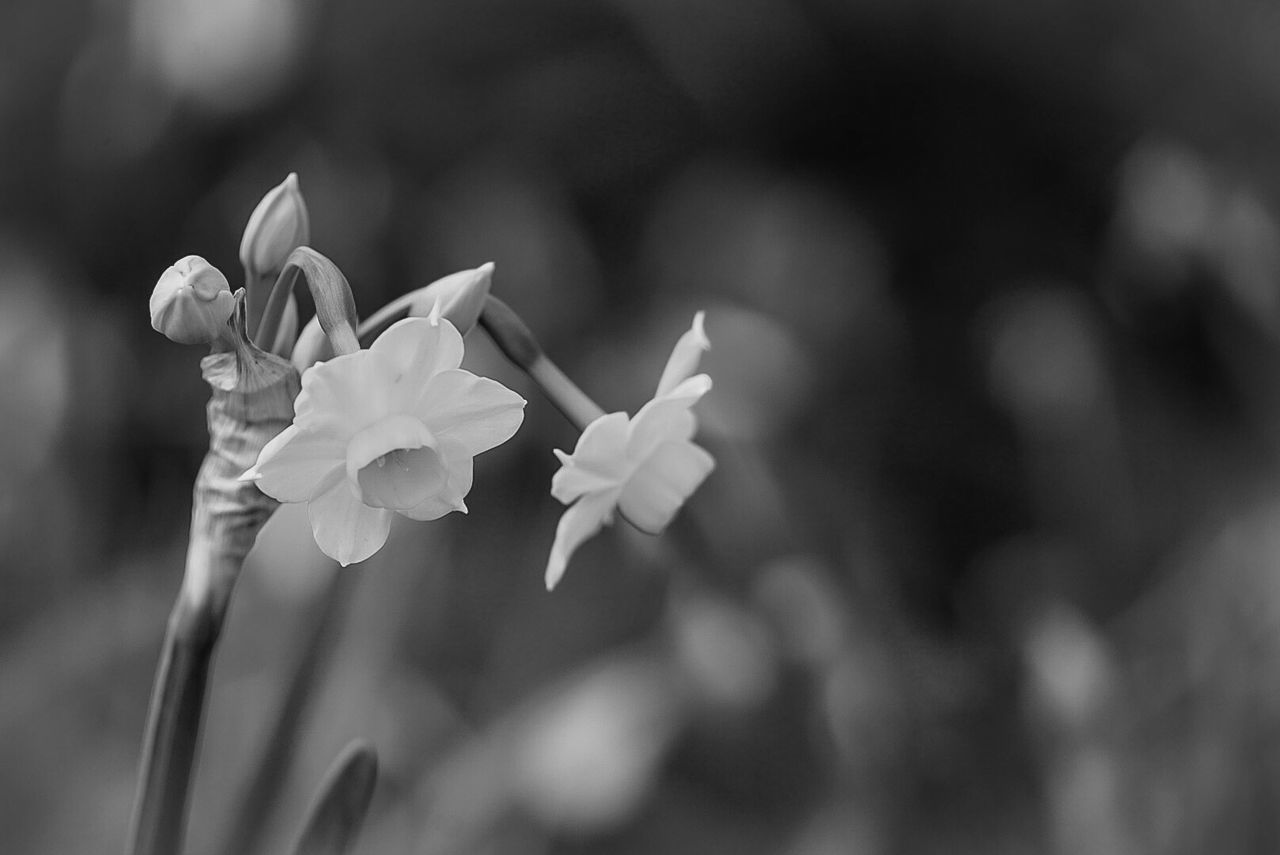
point(253, 394)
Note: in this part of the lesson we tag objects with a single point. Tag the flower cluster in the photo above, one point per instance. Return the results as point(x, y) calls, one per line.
point(393, 429)
point(362, 435)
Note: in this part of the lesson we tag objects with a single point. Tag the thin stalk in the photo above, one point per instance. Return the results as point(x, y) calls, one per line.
point(173, 726)
point(517, 343)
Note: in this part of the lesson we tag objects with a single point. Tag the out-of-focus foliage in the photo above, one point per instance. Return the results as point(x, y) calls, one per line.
point(991, 558)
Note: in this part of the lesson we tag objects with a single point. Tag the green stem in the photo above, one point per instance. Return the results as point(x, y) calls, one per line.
point(516, 341)
point(173, 726)
point(252, 401)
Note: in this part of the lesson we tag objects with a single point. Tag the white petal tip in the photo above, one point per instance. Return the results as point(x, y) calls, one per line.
point(554, 575)
point(565, 459)
point(699, 331)
point(250, 475)
point(486, 268)
point(698, 384)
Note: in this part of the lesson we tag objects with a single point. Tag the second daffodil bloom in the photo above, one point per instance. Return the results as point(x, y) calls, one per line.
point(385, 431)
point(646, 466)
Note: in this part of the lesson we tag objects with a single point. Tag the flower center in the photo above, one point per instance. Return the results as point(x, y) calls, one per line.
point(394, 464)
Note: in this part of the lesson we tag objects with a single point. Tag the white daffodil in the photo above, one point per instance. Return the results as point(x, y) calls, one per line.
point(646, 466)
point(385, 431)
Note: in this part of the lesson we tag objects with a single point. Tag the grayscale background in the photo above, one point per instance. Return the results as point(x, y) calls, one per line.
point(991, 559)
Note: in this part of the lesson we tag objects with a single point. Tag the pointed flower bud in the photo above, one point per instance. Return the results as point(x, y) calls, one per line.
point(311, 347)
point(459, 297)
point(279, 225)
point(191, 302)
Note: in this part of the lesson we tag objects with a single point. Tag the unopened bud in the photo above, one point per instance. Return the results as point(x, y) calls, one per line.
point(460, 297)
point(312, 346)
point(279, 225)
point(191, 302)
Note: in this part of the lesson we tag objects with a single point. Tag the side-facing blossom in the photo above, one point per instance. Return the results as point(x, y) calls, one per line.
point(645, 466)
point(385, 431)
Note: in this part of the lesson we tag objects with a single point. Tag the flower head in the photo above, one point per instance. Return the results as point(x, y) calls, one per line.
point(191, 301)
point(645, 466)
point(385, 431)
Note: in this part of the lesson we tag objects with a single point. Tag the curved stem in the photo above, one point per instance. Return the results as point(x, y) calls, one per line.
point(374, 325)
point(516, 341)
point(335, 306)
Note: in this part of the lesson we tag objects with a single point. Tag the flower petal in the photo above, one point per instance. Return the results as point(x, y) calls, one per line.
point(684, 357)
point(571, 482)
point(345, 394)
point(598, 461)
point(475, 411)
point(459, 465)
point(346, 529)
point(398, 432)
point(418, 348)
point(666, 418)
point(577, 524)
point(663, 482)
point(291, 465)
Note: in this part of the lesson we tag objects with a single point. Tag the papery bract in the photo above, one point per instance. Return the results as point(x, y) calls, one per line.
point(646, 466)
point(384, 431)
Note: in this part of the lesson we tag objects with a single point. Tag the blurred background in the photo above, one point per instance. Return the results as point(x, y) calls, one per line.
point(991, 559)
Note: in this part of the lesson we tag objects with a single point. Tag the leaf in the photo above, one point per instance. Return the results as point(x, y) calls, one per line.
point(338, 810)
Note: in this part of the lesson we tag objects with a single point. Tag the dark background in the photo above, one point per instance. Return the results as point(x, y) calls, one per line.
point(989, 561)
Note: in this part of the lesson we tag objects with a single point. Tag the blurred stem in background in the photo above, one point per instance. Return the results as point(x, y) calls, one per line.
point(260, 794)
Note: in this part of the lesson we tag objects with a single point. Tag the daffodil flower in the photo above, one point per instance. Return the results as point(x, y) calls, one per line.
point(646, 466)
point(385, 431)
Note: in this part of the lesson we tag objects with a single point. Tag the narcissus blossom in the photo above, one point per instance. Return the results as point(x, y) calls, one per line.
point(385, 431)
point(646, 466)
